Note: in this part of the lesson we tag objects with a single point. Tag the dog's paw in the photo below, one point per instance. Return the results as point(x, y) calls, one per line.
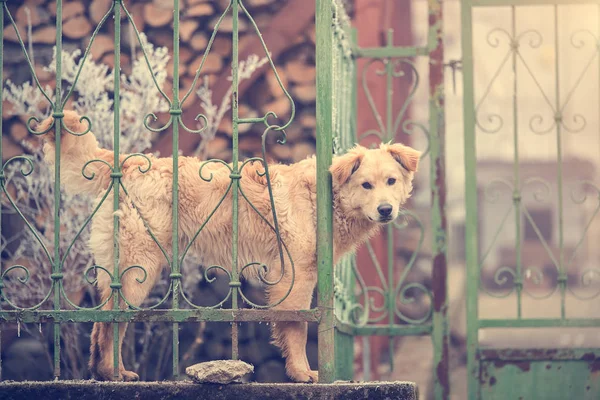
point(106, 374)
point(304, 375)
point(129, 376)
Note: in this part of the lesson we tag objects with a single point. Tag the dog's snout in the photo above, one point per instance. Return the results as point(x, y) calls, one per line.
point(385, 210)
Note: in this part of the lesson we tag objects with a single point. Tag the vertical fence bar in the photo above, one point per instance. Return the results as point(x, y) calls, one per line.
point(235, 284)
point(439, 275)
point(471, 240)
point(562, 274)
point(326, 346)
point(344, 343)
point(116, 180)
point(175, 113)
point(344, 133)
point(391, 298)
point(2, 4)
point(516, 172)
point(354, 92)
point(58, 115)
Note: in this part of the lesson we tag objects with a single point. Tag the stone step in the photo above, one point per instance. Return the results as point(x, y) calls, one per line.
point(184, 390)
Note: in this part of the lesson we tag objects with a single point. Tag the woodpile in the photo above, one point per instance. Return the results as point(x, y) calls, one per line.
point(294, 60)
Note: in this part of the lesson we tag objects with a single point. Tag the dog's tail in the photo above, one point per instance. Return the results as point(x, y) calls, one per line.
point(78, 172)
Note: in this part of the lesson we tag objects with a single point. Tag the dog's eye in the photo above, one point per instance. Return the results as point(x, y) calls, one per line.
point(391, 181)
point(367, 185)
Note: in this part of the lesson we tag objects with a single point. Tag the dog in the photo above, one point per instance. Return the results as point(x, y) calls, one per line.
point(370, 186)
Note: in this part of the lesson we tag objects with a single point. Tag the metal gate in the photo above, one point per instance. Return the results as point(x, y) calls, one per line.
point(531, 149)
point(395, 303)
point(175, 307)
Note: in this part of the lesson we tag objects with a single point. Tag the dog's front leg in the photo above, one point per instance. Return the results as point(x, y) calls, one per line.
point(290, 337)
point(136, 285)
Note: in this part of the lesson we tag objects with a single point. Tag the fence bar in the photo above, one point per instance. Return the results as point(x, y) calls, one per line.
point(390, 135)
point(384, 330)
point(540, 323)
point(562, 273)
point(390, 51)
point(175, 111)
point(185, 315)
point(116, 175)
point(471, 240)
point(326, 350)
point(2, 4)
point(345, 134)
point(235, 175)
point(437, 174)
point(498, 3)
point(57, 114)
point(516, 175)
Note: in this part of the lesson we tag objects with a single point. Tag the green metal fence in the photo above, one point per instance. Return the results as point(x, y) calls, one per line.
point(51, 310)
point(363, 310)
point(543, 281)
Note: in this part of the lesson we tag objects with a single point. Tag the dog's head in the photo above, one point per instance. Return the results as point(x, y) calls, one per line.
point(374, 184)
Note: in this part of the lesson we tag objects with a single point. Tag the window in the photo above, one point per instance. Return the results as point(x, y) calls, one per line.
point(543, 220)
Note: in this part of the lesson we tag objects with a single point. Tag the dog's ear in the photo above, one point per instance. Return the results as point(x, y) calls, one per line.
point(71, 120)
point(43, 126)
point(406, 156)
point(344, 166)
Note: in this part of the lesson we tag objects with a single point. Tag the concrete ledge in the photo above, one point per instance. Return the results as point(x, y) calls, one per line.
point(184, 390)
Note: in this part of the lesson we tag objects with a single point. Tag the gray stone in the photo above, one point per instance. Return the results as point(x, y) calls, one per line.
point(221, 371)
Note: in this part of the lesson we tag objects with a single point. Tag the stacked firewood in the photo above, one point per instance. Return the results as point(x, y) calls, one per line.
point(294, 60)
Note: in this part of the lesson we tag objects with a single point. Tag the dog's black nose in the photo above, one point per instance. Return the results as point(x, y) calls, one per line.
point(385, 210)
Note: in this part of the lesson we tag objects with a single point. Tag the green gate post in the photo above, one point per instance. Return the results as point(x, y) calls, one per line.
point(344, 340)
point(437, 176)
point(324, 32)
point(471, 242)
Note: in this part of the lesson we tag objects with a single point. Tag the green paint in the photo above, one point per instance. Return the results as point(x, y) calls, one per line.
point(437, 176)
point(324, 22)
point(500, 3)
point(471, 219)
point(562, 273)
point(116, 176)
point(545, 379)
point(235, 178)
point(395, 52)
point(344, 359)
point(57, 113)
point(2, 178)
point(385, 330)
point(516, 175)
point(181, 315)
point(175, 112)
